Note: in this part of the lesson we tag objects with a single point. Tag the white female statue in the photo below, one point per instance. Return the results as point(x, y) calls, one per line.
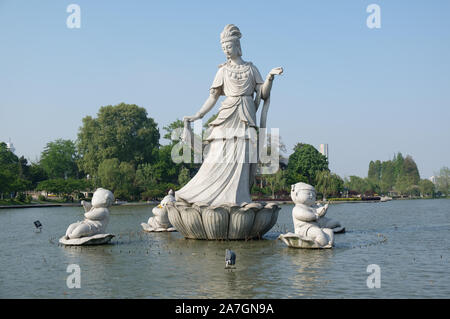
point(228, 178)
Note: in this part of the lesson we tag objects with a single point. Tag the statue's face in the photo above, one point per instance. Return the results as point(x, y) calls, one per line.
point(304, 196)
point(231, 49)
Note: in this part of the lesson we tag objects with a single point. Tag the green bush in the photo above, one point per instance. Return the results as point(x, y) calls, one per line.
point(21, 197)
point(28, 199)
point(152, 194)
point(41, 198)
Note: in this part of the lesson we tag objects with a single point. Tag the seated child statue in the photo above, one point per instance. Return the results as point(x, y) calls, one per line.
point(306, 216)
point(160, 220)
point(96, 216)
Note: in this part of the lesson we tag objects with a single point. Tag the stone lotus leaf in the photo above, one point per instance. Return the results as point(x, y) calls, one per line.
point(227, 221)
point(215, 221)
point(193, 223)
point(265, 219)
point(91, 230)
point(298, 241)
point(98, 239)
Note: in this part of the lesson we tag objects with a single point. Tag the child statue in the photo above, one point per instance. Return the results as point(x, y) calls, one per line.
point(312, 229)
point(160, 221)
point(95, 222)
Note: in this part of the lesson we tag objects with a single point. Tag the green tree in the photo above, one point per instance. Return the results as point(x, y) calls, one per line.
point(24, 168)
point(398, 164)
point(127, 188)
point(183, 177)
point(9, 170)
point(165, 169)
point(443, 181)
point(375, 170)
point(6, 156)
point(400, 173)
point(403, 185)
point(373, 186)
point(275, 182)
point(372, 172)
point(329, 184)
point(357, 184)
point(7, 179)
point(304, 163)
point(145, 177)
point(122, 131)
point(36, 174)
point(388, 176)
point(59, 159)
point(147, 181)
point(54, 186)
point(118, 177)
point(16, 175)
point(61, 186)
point(410, 170)
point(178, 124)
point(109, 174)
point(426, 188)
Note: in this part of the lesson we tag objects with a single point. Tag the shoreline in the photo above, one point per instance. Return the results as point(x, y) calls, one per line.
point(73, 205)
point(156, 203)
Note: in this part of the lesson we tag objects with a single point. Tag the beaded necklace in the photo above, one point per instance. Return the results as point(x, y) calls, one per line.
point(238, 71)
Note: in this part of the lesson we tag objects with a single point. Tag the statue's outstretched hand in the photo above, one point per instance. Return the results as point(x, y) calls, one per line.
point(276, 71)
point(86, 205)
point(273, 72)
point(321, 211)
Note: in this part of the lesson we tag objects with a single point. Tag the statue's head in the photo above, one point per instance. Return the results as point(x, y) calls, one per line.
point(230, 40)
point(302, 193)
point(102, 198)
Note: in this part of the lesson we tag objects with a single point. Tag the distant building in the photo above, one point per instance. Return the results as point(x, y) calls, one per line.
point(10, 147)
point(323, 149)
point(433, 179)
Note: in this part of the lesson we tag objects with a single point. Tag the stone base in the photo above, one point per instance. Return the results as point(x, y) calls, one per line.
point(99, 239)
point(223, 222)
point(297, 241)
point(150, 229)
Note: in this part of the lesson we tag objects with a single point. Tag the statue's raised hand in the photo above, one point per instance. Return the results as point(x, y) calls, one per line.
point(276, 71)
point(321, 211)
point(273, 72)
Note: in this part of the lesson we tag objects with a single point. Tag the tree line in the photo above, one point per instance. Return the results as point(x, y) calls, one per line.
point(398, 177)
point(120, 150)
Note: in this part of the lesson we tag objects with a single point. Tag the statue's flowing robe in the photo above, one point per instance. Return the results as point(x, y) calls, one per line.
point(228, 168)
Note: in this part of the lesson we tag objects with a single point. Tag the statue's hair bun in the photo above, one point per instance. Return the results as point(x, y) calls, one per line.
point(229, 33)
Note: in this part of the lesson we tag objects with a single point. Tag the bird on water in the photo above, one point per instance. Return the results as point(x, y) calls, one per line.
point(230, 258)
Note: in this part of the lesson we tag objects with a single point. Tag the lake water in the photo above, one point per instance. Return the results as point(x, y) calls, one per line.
point(409, 240)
